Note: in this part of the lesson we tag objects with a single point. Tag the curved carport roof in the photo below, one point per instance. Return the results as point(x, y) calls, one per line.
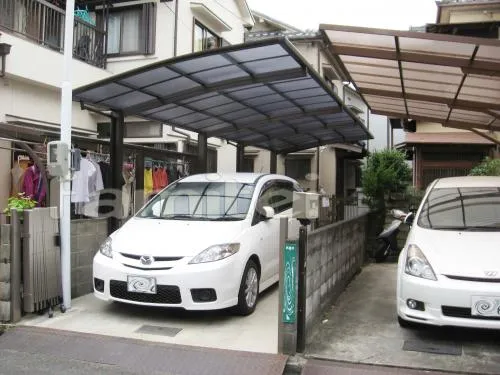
point(262, 94)
point(448, 79)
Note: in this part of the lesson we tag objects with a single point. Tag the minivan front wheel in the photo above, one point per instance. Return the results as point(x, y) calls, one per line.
point(249, 289)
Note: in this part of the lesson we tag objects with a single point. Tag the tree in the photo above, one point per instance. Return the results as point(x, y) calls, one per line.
point(489, 167)
point(385, 172)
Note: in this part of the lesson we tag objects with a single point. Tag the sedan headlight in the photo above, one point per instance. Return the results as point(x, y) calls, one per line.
point(215, 253)
point(417, 264)
point(106, 249)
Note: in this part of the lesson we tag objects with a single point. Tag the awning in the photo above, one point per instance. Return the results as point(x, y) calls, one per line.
point(262, 94)
point(447, 79)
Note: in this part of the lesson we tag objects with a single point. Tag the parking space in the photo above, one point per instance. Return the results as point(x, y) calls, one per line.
point(362, 328)
point(216, 329)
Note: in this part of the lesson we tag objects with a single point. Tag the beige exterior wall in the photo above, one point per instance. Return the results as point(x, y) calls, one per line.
point(462, 13)
point(434, 127)
point(5, 163)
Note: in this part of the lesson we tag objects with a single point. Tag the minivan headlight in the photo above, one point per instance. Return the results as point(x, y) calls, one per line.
point(417, 264)
point(216, 252)
point(106, 249)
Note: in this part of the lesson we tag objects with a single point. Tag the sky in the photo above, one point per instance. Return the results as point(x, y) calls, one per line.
point(386, 14)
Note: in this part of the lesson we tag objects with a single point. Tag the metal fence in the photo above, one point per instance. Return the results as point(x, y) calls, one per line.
point(44, 23)
point(334, 209)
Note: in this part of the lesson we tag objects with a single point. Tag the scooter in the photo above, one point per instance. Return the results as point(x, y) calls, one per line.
point(387, 243)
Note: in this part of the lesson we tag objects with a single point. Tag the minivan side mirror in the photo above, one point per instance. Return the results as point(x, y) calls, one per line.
point(409, 219)
point(268, 212)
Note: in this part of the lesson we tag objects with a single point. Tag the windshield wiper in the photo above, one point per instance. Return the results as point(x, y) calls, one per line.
point(182, 217)
point(226, 218)
point(469, 228)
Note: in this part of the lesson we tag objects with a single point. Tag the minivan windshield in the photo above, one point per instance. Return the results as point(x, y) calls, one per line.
point(216, 201)
point(464, 208)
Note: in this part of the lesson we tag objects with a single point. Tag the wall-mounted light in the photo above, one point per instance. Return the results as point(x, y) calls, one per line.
point(4, 51)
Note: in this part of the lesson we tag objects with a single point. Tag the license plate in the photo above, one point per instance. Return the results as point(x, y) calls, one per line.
point(485, 306)
point(141, 284)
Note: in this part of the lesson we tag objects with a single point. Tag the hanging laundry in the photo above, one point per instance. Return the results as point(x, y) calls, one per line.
point(128, 174)
point(95, 182)
point(80, 184)
point(33, 185)
point(148, 182)
point(17, 174)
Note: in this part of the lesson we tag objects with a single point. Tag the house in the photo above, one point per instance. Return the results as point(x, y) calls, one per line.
point(109, 37)
point(439, 151)
point(334, 168)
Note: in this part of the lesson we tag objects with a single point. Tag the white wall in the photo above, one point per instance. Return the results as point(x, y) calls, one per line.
point(25, 99)
point(5, 180)
point(226, 159)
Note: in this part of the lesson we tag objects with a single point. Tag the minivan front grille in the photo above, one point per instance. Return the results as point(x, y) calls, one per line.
point(464, 313)
point(156, 258)
point(165, 294)
point(476, 279)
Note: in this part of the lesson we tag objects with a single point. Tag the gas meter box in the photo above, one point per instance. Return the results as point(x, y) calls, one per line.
point(305, 205)
point(58, 158)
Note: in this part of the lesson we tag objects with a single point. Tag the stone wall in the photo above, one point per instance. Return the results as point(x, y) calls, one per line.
point(335, 254)
point(5, 256)
point(86, 236)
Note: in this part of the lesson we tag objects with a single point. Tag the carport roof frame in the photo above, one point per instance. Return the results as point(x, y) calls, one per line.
point(261, 93)
point(448, 79)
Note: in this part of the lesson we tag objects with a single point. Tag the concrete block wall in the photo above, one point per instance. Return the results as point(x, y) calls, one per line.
point(5, 255)
point(335, 253)
point(86, 236)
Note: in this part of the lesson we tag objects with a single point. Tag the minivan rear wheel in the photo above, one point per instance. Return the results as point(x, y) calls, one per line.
point(249, 289)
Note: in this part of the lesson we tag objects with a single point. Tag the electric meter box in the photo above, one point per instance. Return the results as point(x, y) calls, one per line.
point(305, 205)
point(58, 158)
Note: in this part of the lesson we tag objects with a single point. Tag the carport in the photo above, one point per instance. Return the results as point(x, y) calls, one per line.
point(445, 79)
point(261, 94)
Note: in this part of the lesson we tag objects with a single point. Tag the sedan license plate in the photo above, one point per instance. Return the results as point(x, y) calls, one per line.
point(141, 284)
point(485, 306)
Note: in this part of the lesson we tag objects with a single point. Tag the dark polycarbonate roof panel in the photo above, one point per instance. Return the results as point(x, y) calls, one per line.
point(262, 94)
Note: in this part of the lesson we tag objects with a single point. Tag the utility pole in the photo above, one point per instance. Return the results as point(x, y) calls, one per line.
point(65, 185)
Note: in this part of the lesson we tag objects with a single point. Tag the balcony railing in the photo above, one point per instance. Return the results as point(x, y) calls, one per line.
point(44, 23)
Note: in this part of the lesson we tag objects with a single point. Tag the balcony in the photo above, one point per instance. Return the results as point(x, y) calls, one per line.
point(43, 23)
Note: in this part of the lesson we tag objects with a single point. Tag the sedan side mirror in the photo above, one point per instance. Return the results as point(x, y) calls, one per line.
point(268, 212)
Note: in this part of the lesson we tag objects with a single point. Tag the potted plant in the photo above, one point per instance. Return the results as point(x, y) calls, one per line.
point(19, 202)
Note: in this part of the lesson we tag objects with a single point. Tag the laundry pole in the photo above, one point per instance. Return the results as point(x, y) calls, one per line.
point(65, 185)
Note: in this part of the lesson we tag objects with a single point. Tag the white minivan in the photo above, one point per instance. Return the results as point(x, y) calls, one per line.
point(207, 241)
point(449, 269)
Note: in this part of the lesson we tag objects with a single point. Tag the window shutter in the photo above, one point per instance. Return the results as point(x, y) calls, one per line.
point(149, 28)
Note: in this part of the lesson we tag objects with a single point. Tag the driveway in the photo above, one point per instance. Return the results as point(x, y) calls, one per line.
point(362, 328)
point(215, 329)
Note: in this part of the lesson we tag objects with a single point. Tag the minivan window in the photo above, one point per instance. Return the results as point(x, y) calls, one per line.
point(219, 201)
point(465, 208)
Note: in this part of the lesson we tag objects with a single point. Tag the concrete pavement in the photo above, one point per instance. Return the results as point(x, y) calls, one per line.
point(362, 328)
point(216, 329)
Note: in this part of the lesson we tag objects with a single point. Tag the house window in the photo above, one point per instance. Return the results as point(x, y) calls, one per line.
point(131, 30)
point(298, 168)
point(248, 164)
point(204, 38)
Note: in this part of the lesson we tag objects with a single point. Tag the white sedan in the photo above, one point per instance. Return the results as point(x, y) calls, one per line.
point(449, 269)
point(205, 242)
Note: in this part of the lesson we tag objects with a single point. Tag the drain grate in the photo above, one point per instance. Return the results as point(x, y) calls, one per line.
point(426, 346)
point(158, 330)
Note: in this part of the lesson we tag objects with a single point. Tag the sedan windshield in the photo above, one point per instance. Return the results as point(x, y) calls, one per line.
point(468, 208)
point(216, 201)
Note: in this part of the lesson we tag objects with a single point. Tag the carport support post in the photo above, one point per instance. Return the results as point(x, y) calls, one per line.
point(116, 162)
point(273, 167)
point(302, 291)
point(139, 180)
point(202, 166)
point(240, 157)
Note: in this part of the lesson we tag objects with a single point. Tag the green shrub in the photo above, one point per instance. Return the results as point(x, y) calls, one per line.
point(489, 167)
point(19, 202)
point(386, 172)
